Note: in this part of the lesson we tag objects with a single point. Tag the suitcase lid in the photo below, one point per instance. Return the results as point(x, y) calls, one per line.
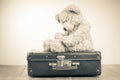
point(42, 56)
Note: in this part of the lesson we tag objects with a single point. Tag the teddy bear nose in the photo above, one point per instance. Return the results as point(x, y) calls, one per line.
point(65, 29)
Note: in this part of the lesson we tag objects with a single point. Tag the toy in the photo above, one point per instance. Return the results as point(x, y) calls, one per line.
point(76, 36)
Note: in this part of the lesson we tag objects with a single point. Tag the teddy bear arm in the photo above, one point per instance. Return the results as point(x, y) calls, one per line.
point(59, 35)
point(75, 38)
point(82, 32)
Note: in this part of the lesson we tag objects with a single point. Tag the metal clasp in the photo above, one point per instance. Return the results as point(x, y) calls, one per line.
point(63, 64)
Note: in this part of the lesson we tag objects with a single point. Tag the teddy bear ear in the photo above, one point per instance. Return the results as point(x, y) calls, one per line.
point(73, 9)
point(57, 17)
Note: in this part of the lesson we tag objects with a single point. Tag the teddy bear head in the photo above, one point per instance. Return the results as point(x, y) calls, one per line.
point(70, 18)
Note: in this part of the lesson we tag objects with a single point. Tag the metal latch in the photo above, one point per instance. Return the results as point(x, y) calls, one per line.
point(63, 64)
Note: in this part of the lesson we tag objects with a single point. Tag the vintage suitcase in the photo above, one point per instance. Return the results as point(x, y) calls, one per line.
point(64, 64)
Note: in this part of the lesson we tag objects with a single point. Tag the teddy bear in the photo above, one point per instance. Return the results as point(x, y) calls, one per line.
point(76, 36)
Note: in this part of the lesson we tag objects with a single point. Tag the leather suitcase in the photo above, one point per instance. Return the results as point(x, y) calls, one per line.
point(64, 64)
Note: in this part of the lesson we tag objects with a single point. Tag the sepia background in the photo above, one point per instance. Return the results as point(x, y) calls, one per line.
point(26, 24)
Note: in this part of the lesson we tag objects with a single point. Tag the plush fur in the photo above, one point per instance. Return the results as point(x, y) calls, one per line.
point(77, 33)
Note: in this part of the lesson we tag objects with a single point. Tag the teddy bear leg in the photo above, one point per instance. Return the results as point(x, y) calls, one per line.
point(87, 45)
point(83, 46)
point(76, 48)
point(47, 44)
point(56, 46)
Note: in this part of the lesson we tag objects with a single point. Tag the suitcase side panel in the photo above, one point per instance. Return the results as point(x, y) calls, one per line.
point(43, 69)
point(38, 65)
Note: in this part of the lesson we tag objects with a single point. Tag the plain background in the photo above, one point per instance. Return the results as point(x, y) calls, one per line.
point(26, 24)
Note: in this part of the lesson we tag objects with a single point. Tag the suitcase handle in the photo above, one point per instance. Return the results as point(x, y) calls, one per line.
point(63, 64)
